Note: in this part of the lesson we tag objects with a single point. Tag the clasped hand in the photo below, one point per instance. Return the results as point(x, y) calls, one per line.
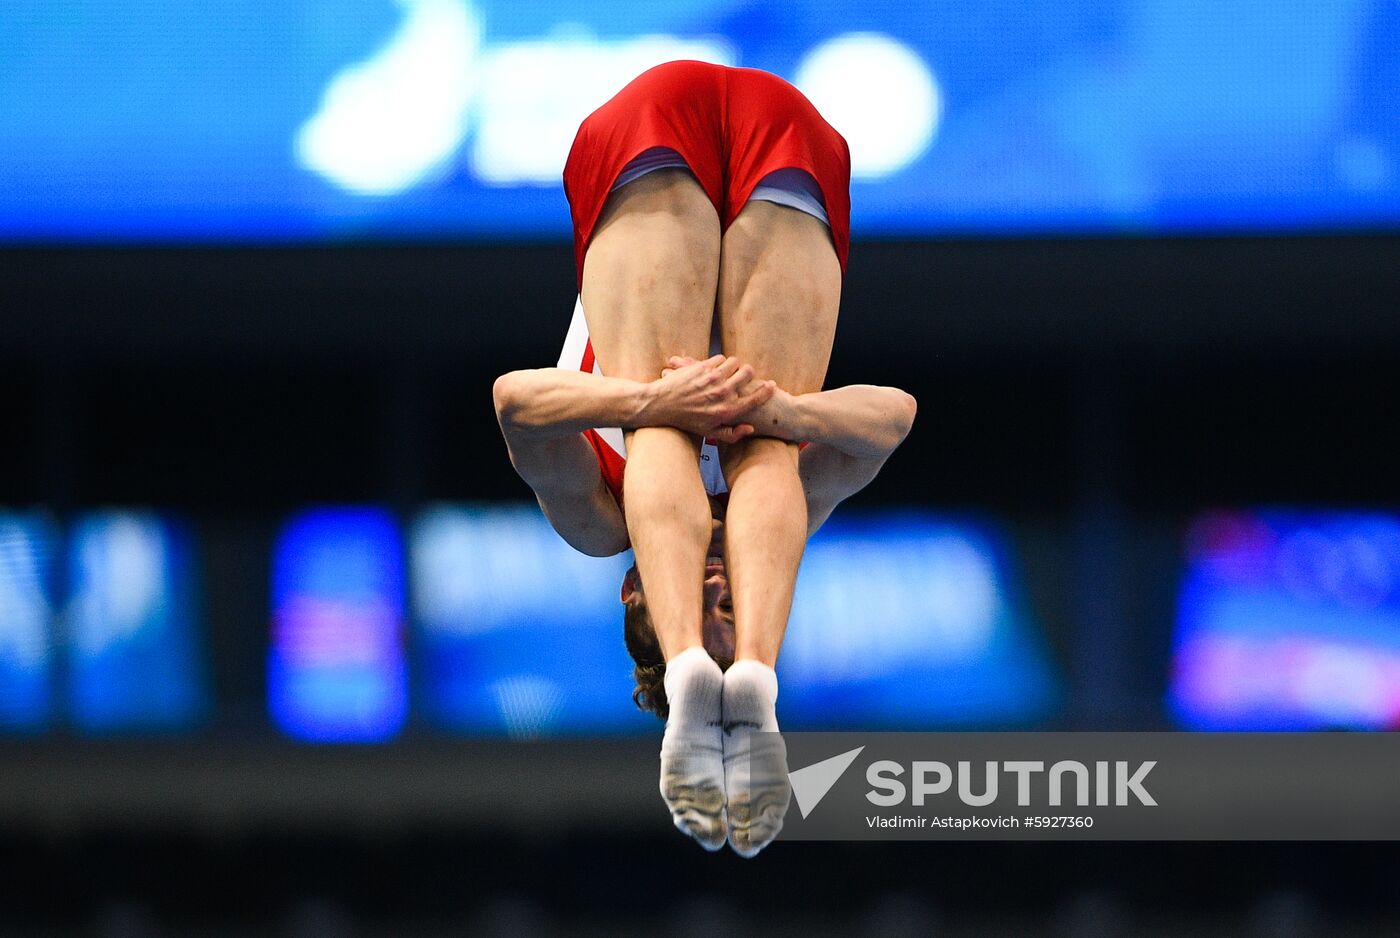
point(719, 398)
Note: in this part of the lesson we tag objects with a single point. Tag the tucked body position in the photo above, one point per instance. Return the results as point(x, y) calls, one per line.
point(686, 418)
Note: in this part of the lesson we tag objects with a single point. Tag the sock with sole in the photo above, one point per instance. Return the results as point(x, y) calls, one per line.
point(755, 758)
point(692, 768)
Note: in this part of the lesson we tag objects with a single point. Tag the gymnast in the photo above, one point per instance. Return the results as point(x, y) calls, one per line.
point(711, 228)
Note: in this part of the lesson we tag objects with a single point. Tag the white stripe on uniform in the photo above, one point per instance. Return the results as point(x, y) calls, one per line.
point(572, 356)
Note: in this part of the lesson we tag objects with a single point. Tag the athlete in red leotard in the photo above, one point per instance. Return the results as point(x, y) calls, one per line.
point(710, 209)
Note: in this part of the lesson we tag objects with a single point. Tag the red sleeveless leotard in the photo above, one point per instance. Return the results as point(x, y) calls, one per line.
point(733, 126)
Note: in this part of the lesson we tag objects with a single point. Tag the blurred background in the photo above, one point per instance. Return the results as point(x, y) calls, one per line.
point(286, 648)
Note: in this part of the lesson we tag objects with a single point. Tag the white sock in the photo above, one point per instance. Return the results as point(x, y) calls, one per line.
point(755, 757)
point(692, 767)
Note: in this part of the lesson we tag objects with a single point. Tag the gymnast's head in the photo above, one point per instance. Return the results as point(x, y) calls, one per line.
point(716, 626)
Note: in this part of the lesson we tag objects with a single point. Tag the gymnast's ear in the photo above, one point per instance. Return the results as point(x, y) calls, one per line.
point(631, 583)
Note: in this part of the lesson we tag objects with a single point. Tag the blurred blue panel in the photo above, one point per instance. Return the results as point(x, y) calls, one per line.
point(336, 669)
point(26, 622)
point(516, 632)
point(904, 620)
point(321, 119)
point(900, 620)
point(134, 645)
point(1289, 620)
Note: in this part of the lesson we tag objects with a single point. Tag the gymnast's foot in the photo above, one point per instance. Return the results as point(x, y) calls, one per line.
point(755, 757)
point(692, 767)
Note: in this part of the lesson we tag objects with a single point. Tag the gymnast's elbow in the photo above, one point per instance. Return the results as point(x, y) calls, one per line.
point(511, 394)
point(903, 409)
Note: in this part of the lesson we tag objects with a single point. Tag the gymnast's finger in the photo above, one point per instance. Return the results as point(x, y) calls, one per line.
point(739, 380)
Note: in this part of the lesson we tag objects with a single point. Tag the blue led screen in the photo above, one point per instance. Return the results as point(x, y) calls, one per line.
point(27, 544)
point(336, 670)
point(517, 633)
point(1289, 619)
point(901, 620)
point(908, 620)
point(135, 640)
point(308, 120)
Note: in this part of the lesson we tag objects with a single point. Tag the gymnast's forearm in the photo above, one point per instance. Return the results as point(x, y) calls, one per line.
point(551, 402)
point(860, 419)
point(701, 398)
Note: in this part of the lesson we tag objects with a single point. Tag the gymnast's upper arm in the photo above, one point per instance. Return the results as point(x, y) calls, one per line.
point(830, 476)
point(564, 475)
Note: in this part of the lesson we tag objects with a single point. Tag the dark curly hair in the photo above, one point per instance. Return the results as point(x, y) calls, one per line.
point(649, 665)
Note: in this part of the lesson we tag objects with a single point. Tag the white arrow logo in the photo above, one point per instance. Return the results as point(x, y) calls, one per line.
point(810, 785)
